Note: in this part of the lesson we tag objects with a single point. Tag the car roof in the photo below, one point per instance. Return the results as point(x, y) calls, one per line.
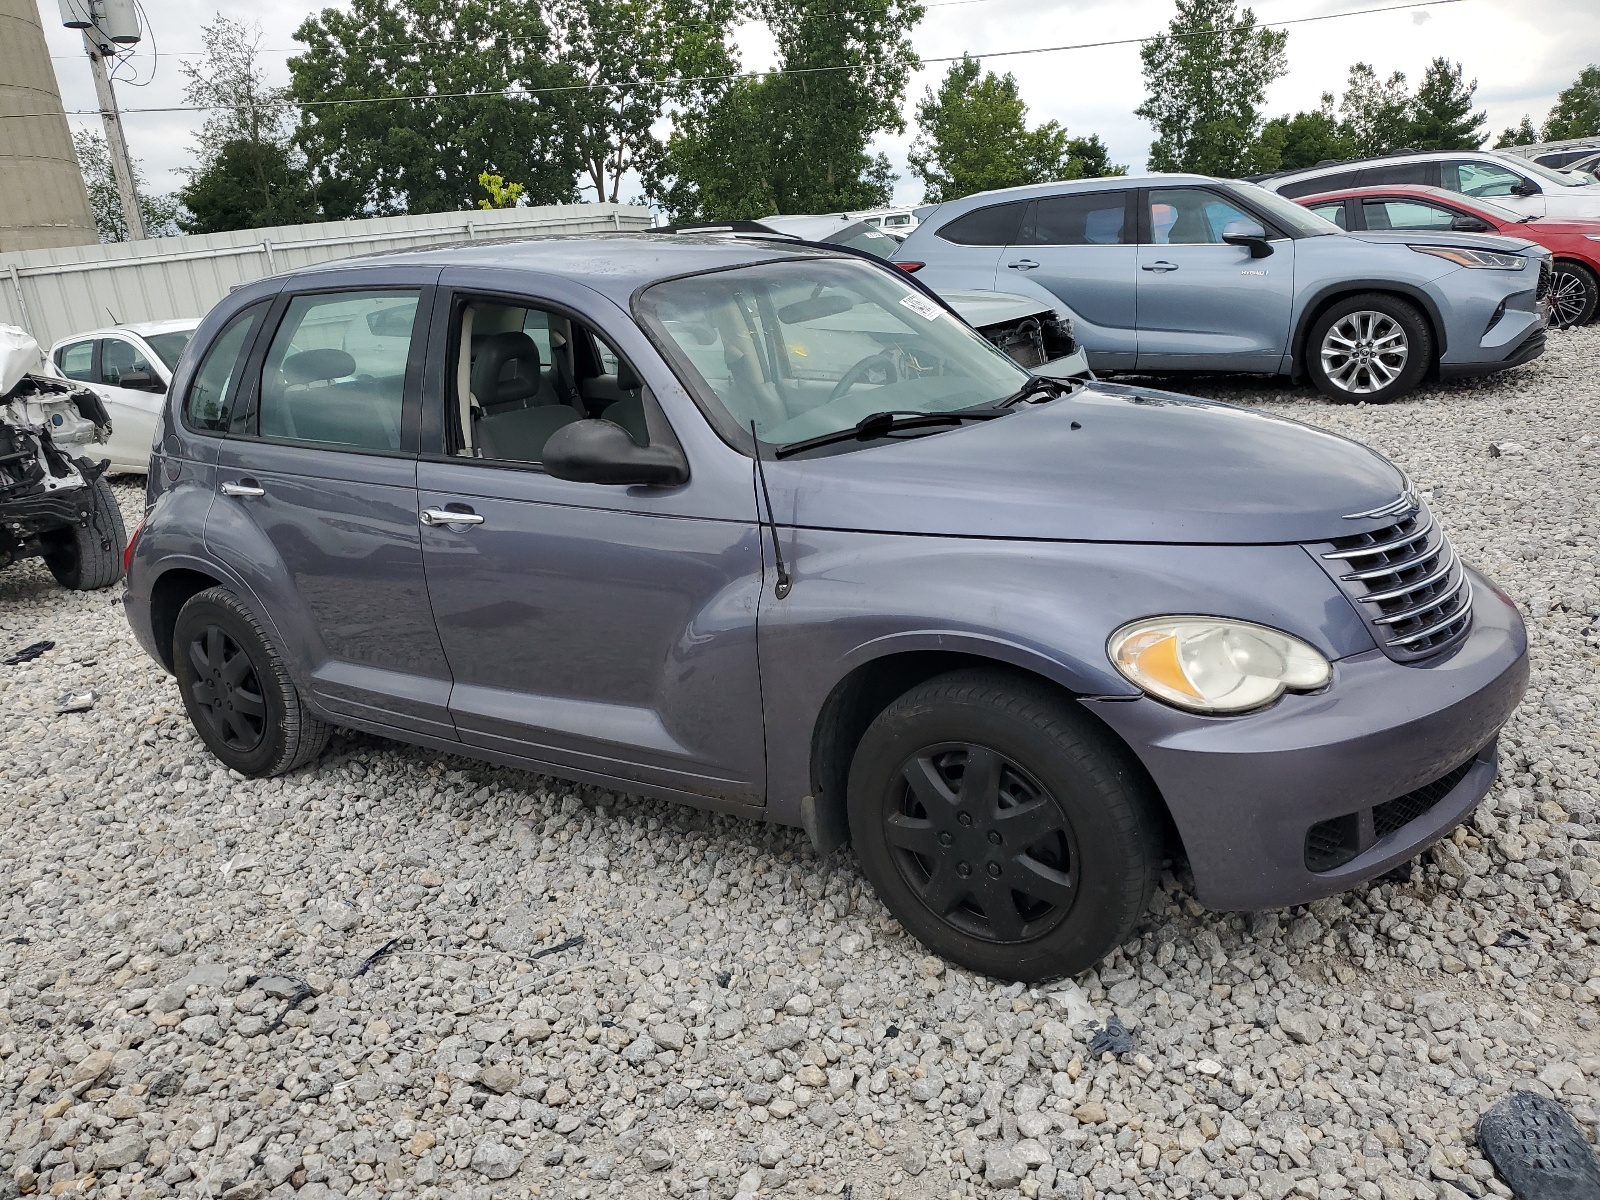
point(1097, 183)
point(1399, 156)
point(614, 264)
point(138, 328)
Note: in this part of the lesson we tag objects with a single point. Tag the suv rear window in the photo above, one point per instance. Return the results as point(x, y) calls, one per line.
point(996, 225)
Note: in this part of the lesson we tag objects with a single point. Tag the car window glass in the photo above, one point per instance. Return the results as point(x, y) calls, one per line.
point(335, 372)
point(216, 382)
point(524, 372)
point(1081, 219)
point(996, 225)
point(1191, 217)
point(169, 346)
point(1333, 211)
point(77, 361)
point(1391, 173)
point(1480, 179)
point(117, 358)
point(1331, 182)
point(1405, 214)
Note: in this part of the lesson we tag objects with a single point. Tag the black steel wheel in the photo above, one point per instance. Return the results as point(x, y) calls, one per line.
point(236, 688)
point(1002, 826)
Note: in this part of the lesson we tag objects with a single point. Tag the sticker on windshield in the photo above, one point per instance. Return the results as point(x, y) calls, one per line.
point(921, 305)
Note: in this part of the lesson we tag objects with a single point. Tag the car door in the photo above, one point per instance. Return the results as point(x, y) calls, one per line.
point(317, 501)
point(965, 251)
point(1081, 249)
point(1491, 181)
point(134, 388)
point(1203, 304)
point(604, 631)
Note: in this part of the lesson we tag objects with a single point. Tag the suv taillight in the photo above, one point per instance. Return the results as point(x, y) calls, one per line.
point(911, 268)
point(127, 551)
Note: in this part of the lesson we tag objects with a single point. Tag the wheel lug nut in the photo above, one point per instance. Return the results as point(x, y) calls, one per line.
point(945, 839)
point(994, 869)
point(963, 869)
point(994, 836)
point(964, 818)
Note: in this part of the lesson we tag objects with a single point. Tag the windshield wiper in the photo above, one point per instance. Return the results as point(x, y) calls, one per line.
point(1034, 389)
point(879, 424)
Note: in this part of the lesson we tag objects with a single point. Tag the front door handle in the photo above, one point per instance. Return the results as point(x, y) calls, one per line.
point(1161, 266)
point(446, 516)
point(1023, 264)
point(244, 487)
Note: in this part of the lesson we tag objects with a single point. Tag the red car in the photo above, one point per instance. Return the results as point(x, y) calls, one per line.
point(1575, 291)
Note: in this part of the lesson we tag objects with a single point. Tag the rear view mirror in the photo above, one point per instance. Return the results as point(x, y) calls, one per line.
point(1465, 224)
point(1247, 233)
point(596, 451)
point(830, 304)
point(140, 381)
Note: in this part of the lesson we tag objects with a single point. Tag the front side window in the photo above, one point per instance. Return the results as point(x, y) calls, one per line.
point(1481, 179)
point(1082, 219)
point(77, 361)
point(996, 225)
point(1191, 217)
point(335, 372)
point(1406, 214)
point(118, 358)
point(216, 382)
point(809, 347)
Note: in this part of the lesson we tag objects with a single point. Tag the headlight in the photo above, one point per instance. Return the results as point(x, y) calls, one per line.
point(1490, 260)
point(1214, 665)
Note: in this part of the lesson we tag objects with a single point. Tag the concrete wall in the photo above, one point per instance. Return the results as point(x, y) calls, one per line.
point(42, 201)
point(56, 293)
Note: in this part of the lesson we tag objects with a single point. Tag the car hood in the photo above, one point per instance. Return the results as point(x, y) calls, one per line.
point(1570, 228)
point(1444, 237)
point(992, 308)
point(1109, 463)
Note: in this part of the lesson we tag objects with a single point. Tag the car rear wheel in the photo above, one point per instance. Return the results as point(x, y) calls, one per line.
point(237, 691)
point(1002, 827)
point(1369, 348)
point(1574, 295)
point(86, 558)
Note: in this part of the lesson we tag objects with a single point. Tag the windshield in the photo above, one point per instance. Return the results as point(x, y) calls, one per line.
point(1493, 209)
point(862, 236)
point(1564, 178)
point(1286, 213)
point(810, 346)
point(168, 346)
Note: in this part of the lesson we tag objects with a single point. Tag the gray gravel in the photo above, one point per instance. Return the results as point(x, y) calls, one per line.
point(184, 1008)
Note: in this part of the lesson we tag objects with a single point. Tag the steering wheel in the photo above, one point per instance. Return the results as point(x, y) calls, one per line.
point(860, 373)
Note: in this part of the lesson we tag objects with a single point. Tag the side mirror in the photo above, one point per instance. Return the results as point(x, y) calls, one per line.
point(596, 451)
point(1248, 233)
point(140, 381)
point(1465, 224)
point(1526, 188)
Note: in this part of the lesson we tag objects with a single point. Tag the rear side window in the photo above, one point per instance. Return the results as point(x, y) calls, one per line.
point(217, 381)
point(1084, 219)
point(1425, 173)
point(1333, 181)
point(997, 225)
point(335, 372)
point(77, 361)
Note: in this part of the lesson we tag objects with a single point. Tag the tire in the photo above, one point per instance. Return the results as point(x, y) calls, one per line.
point(86, 558)
point(237, 691)
point(1369, 348)
point(1066, 814)
point(1574, 295)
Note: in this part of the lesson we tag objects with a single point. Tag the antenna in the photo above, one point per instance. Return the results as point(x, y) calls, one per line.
point(781, 588)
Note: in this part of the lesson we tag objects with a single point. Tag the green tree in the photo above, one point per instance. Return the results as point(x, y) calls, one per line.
point(1303, 140)
point(230, 83)
point(94, 160)
point(501, 193)
point(1093, 158)
point(377, 156)
point(1205, 79)
point(1442, 117)
point(1518, 135)
point(796, 140)
point(1577, 110)
point(1375, 115)
point(973, 136)
point(249, 184)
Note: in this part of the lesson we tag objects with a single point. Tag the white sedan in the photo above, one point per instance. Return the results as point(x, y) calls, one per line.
point(130, 367)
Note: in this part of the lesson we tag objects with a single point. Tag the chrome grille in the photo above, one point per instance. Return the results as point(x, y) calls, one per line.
point(1406, 580)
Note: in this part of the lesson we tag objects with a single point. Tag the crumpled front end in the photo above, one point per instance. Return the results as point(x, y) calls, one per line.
point(46, 426)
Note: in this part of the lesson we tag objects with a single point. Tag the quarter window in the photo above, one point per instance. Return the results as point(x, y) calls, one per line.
point(335, 372)
point(1332, 181)
point(1330, 212)
point(216, 382)
point(996, 225)
point(1081, 219)
point(1191, 217)
point(77, 361)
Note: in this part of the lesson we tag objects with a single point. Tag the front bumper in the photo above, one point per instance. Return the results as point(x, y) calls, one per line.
point(1245, 791)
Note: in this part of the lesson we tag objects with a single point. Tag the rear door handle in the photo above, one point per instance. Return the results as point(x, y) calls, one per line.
point(244, 487)
point(446, 516)
point(1023, 264)
point(1161, 266)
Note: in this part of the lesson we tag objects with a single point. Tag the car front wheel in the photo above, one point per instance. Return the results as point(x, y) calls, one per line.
point(1574, 295)
point(88, 557)
point(1370, 349)
point(237, 691)
point(1002, 827)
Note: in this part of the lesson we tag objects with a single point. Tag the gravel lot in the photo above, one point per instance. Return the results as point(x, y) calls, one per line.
point(592, 995)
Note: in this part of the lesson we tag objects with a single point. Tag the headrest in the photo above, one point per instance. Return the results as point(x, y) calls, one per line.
point(308, 366)
point(497, 349)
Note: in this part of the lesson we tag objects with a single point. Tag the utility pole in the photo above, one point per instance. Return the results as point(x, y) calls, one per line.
point(109, 26)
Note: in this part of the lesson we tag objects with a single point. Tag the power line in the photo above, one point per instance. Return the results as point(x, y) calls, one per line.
point(529, 93)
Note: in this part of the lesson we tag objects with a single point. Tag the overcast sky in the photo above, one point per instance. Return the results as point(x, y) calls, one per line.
point(1521, 53)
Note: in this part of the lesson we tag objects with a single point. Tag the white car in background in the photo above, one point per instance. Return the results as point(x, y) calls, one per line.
point(130, 368)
